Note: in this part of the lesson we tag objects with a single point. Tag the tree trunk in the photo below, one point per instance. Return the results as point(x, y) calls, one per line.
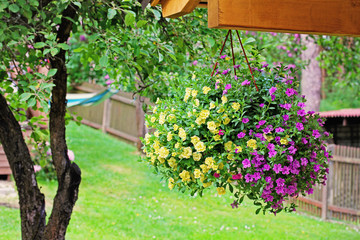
point(31, 200)
point(68, 173)
point(311, 75)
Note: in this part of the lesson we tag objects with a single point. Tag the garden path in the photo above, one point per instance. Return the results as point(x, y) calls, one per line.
point(8, 194)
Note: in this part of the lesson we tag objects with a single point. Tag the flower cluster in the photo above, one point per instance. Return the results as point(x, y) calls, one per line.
point(223, 132)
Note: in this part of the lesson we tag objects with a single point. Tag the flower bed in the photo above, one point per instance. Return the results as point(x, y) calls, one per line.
point(220, 131)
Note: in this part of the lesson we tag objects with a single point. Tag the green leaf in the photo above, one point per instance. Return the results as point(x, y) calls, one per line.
point(39, 45)
point(161, 57)
point(63, 46)
point(257, 211)
point(111, 13)
point(25, 96)
point(14, 8)
point(31, 102)
point(52, 72)
point(211, 41)
point(129, 19)
point(77, 4)
point(104, 61)
point(141, 23)
point(54, 51)
point(3, 5)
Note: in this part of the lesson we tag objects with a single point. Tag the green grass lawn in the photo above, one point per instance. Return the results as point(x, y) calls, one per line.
point(121, 198)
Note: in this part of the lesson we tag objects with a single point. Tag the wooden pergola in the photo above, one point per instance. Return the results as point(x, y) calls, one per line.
point(328, 17)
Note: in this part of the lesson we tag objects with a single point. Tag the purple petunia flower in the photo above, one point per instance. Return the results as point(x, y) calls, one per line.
point(304, 141)
point(245, 120)
point(262, 122)
point(272, 97)
point(280, 182)
point(268, 179)
point(216, 175)
point(316, 134)
point(304, 161)
point(227, 86)
point(234, 204)
point(266, 130)
point(246, 82)
point(286, 117)
point(226, 71)
point(299, 126)
point(250, 132)
point(266, 167)
point(287, 106)
point(290, 92)
point(279, 129)
point(272, 90)
point(223, 56)
point(301, 104)
point(237, 176)
point(262, 105)
point(246, 163)
point(248, 177)
point(272, 153)
point(195, 62)
point(301, 112)
point(277, 168)
point(241, 135)
point(221, 132)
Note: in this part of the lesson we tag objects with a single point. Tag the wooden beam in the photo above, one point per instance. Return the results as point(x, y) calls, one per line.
point(154, 2)
point(177, 8)
point(330, 17)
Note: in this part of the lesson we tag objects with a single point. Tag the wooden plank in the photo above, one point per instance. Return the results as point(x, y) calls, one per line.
point(330, 17)
point(5, 171)
point(177, 8)
point(106, 114)
point(4, 164)
point(122, 135)
point(343, 210)
point(310, 201)
point(154, 2)
point(338, 158)
point(91, 124)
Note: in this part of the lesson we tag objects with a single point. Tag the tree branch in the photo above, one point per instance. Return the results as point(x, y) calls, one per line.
point(31, 200)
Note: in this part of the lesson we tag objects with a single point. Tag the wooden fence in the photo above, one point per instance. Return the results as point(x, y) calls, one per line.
point(340, 197)
point(121, 115)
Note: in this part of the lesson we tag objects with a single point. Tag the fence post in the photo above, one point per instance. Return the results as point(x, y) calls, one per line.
point(140, 121)
point(106, 115)
point(327, 190)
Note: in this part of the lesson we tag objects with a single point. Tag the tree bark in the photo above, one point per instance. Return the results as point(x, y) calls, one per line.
point(31, 200)
point(311, 75)
point(68, 173)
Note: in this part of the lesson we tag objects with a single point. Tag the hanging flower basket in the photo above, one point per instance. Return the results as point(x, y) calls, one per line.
point(254, 140)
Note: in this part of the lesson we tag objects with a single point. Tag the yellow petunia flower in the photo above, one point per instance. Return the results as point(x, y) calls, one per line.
point(252, 143)
point(226, 121)
point(176, 127)
point(182, 134)
point(235, 106)
point(197, 103)
point(228, 146)
point(206, 90)
point(197, 173)
point(195, 139)
point(169, 136)
point(197, 156)
point(186, 153)
point(211, 125)
point(224, 99)
point(204, 114)
point(194, 93)
point(221, 190)
point(185, 176)
point(200, 147)
point(212, 105)
point(163, 152)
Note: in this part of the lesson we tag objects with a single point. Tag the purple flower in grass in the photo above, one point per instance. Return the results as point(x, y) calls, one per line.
point(195, 62)
point(235, 204)
point(223, 56)
point(227, 86)
point(226, 71)
point(262, 105)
